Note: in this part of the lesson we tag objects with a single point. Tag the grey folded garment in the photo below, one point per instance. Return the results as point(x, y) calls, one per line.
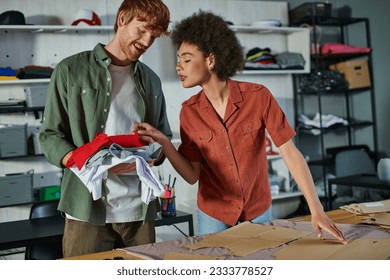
point(101, 157)
point(151, 152)
point(289, 60)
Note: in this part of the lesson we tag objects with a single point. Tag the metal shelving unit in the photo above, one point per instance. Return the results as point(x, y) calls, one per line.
point(349, 133)
point(40, 45)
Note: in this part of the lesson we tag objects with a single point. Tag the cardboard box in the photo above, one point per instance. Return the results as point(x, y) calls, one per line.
point(13, 140)
point(355, 72)
point(16, 189)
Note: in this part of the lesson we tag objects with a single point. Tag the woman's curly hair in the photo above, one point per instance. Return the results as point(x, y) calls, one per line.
point(212, 35)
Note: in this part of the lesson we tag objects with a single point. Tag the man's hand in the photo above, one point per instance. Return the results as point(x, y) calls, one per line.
point(124, 168)
point(66, 158)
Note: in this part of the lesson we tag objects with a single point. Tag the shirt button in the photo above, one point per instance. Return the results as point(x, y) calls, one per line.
point(108, 79)
point(108, 94)
point(105, 110)
point(102, 126)
point(227, 148)
point(84, 91)
point(103, 198)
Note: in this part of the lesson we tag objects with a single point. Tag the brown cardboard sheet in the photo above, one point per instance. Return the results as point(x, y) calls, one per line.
point(364, 249)
point(247, 238)
point(310, 246)
point(385, 227)
point(368, 207)
point(382, 220)
point(187, 256)
point(377, 219)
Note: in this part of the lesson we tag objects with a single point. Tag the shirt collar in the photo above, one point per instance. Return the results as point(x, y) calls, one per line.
point(101, 54)
point(234, 94)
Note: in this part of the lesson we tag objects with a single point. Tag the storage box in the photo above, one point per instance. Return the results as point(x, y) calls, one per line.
point(36, 96)
point(13, 140)
point(35, 145)
point(355, 72)
point(16, 189)
point(44, 179)
point(305, 11)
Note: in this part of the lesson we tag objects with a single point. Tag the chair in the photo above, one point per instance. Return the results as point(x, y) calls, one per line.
point(353, 162)
point(50, 250)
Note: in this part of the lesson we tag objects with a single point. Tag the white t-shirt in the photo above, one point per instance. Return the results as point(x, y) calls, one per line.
point(123, 193)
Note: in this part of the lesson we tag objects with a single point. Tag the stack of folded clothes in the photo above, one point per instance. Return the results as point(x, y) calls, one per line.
point(7, 73)
point(337, 48)
point(290, 60)
point(91, 162)
point(35, 72)
point(260, 59)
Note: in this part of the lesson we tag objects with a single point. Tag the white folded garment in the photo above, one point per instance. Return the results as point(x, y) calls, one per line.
point(93, 176)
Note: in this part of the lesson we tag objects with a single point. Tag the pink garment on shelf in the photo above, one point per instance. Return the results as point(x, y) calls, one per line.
point(82, 153)
point(335, 48)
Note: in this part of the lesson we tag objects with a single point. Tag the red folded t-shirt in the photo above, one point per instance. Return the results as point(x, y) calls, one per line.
point(82, 153)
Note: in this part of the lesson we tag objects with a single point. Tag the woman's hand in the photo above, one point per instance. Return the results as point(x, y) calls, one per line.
point(321, 221)
point(148, 133)
point(190, 171)
point(301, 173)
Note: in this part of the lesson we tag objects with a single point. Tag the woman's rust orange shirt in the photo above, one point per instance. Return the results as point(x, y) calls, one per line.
point(233, 184)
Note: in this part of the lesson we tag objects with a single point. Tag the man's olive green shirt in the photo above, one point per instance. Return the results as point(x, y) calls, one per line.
point(77, 108)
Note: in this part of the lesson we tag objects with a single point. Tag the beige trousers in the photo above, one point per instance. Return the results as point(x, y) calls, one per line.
point(82, 238)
